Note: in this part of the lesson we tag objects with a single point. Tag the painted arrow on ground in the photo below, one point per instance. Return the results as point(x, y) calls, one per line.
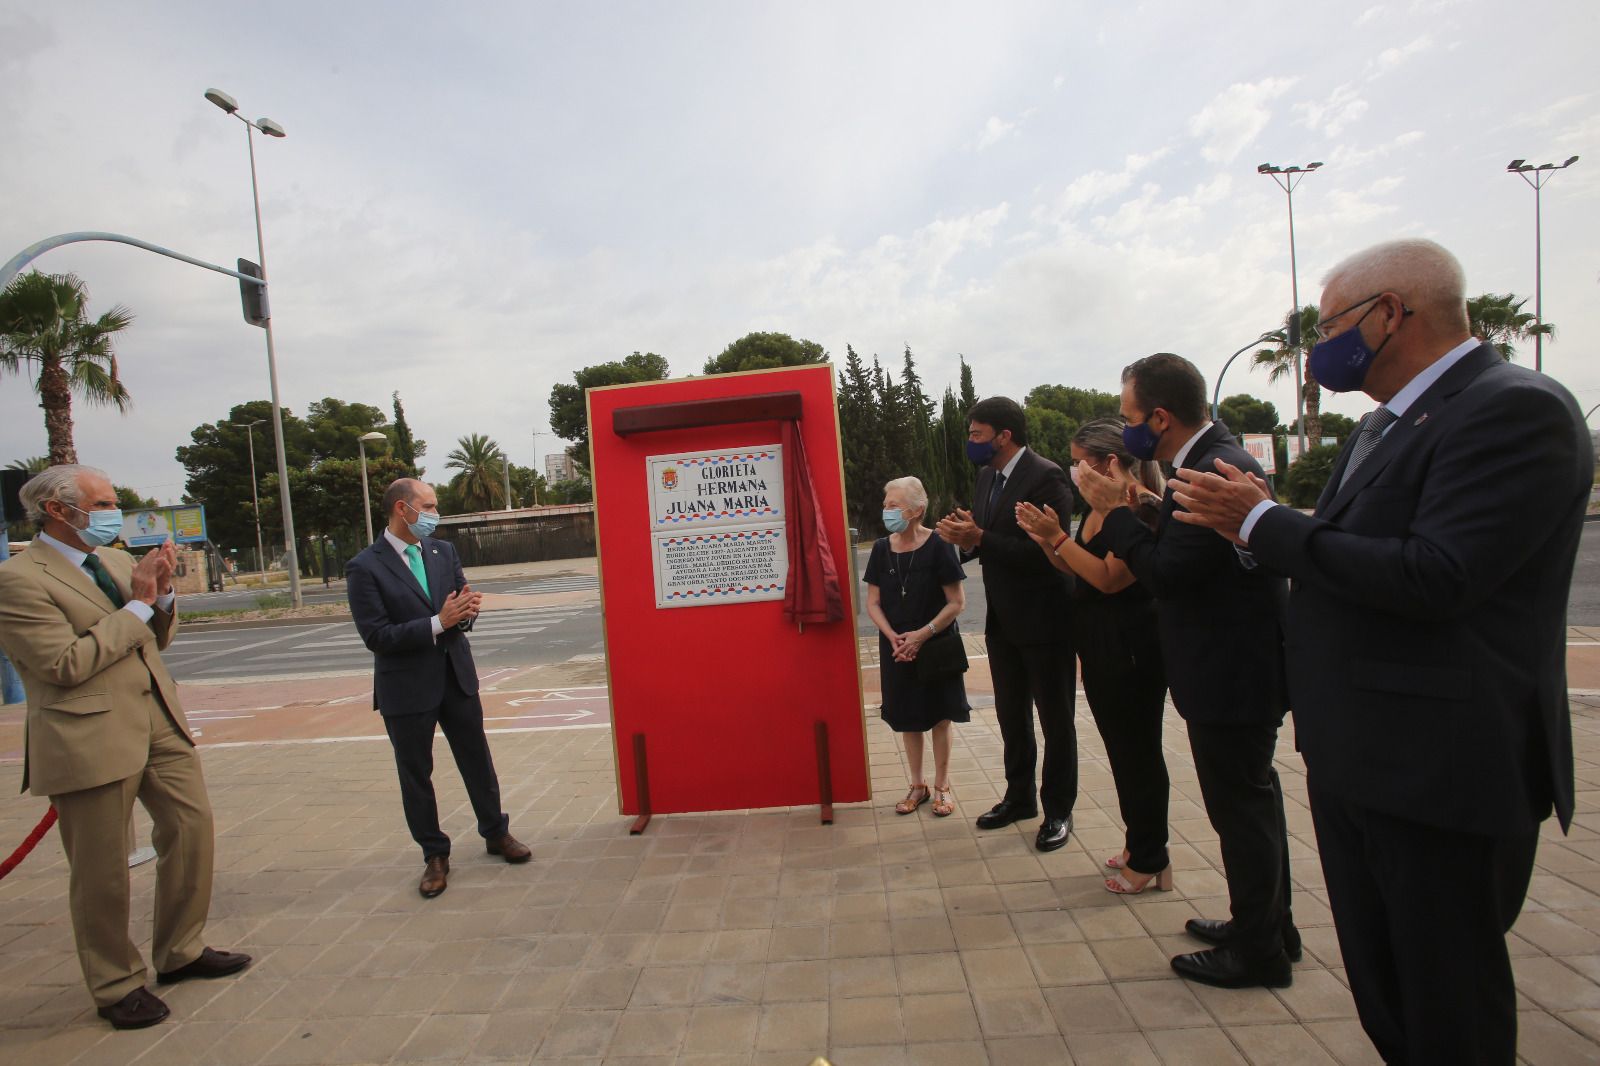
point(569, 716)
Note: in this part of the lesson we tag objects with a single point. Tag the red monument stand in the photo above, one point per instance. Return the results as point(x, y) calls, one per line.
point(714, 553)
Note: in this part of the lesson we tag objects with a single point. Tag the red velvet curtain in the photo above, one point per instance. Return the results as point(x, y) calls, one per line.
point(812, 592)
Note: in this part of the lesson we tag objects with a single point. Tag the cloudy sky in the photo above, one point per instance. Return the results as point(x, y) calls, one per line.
point(475, 199)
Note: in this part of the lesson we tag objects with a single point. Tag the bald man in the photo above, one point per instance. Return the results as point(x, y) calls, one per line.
point(1426, 645)
point(413, 607)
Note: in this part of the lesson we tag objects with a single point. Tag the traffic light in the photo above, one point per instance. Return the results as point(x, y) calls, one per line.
point(253, 296)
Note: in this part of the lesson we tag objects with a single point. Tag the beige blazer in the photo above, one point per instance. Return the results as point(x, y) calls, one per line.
point(91, 670)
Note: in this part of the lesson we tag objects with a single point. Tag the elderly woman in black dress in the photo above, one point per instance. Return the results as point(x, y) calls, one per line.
point(913, 596)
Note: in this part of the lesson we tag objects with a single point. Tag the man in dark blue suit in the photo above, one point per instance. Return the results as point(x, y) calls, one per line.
point(1427, 645)
point(413, 608)
point(1221, 628)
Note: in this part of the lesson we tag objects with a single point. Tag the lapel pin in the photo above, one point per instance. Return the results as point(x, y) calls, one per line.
point(1423, 417)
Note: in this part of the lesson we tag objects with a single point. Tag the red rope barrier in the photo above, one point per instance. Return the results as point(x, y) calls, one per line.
point(27, 845)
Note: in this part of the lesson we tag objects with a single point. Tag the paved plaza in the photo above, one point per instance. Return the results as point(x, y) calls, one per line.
point(735, 937)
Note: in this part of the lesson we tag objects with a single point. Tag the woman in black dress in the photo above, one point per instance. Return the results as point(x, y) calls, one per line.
point(1114, 629)
point(913, 595)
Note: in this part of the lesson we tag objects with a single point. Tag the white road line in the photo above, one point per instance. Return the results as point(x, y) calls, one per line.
point(385, 737)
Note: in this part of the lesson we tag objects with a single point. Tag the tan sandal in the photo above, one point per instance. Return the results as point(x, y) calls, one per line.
point(1121, 885)
point(941, 802)
point(914, 799)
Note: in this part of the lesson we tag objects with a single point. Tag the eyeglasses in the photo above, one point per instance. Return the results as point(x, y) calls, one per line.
point(1321, 328)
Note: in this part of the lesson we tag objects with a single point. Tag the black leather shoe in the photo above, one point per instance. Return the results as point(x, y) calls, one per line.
point(1053, 833)
point(1215, 931)
point(1224, 969)
point(1004, 813)
point(211, 963)
point(139, 1009)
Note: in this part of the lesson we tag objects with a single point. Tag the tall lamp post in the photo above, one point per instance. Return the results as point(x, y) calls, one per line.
point(366, 495)
point(505, 470)
point(1537, 177)
point(1286, 178)
point(255, 499)
point(271, 129)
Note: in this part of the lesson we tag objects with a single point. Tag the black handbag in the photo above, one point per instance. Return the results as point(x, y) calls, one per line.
point(944, 656)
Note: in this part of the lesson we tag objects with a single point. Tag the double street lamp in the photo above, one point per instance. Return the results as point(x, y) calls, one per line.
point(271, 129)
point(255, 500)
point(1537, 177)
point(366, 495)
point(1286, 178)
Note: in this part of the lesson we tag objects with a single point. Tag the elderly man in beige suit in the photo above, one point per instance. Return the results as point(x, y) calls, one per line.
point(84, 625)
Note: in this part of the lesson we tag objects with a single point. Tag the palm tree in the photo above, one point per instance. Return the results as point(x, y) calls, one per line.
point(1499, 319)
point(1279, 362)
point(478, 486)
point(35, 465)
point(44, 320)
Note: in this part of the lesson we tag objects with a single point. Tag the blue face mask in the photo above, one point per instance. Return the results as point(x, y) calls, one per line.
point(103, 528)
point(1141, 441)
point(425, 524)
point(894, 520)
point(980, 451)
point(1340, 364)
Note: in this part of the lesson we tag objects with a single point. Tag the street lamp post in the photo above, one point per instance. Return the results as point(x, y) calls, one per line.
point(1216, 391)
point(1285, 178)
point(255, 499)
point(366, 495)
point(271, 129)
point(505, 470)
point(1537, 177)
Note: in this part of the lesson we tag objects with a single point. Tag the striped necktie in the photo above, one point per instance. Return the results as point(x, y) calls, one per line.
point(1367, 439)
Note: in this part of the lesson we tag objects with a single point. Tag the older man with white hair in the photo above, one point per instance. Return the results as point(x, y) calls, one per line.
point(84, 624)
point(1426, 645)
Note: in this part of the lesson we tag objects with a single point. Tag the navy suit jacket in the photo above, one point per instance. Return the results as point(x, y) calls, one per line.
point(395, 620)
point(1221, 625)
point(1029, 600)
point(1427, 620)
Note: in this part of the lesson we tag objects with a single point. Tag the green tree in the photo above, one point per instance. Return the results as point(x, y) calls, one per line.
point(1050, 434)
point(1244, 413)
point(479, 484)
point(1079, 405)
point(861, 441)
point(406, 447)
point(969, 395)
point(1304, 482)
point(36, 465)
point(129, 500)
point(1334, 425)
point(1279, 362)
point(1499, 319)
point(44, 320)
point(217, 461)
point(765, 351)
point(569, 412)
point(336, 426)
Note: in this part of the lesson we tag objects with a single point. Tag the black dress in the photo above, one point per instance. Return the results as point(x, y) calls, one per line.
point(911, 592)
point(1126, 686)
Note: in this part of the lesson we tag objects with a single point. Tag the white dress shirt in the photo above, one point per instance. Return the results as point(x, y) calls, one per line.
point(141, 610)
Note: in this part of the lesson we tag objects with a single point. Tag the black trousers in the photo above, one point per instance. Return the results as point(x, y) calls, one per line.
point(460, 718)
point(1127, 696)
point(1422, 914)
point(1244, 802)
point(1028, 677)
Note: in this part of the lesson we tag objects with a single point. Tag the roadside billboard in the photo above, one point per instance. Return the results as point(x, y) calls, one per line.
point(150, 526)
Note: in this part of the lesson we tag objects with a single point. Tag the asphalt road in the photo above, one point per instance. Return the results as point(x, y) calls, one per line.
point(243, 597)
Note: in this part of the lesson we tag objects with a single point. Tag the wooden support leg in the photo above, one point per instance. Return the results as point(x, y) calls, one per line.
point(824, 774)
point(641, 781)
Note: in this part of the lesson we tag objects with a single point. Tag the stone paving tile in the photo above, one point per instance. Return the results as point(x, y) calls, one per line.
point(739, 937)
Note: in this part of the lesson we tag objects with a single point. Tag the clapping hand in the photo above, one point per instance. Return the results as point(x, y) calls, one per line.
point(959, 529)
point(1218, 501)
point(1043, 526)
point(152, 574)
point(459, 607)
point(1106, 493)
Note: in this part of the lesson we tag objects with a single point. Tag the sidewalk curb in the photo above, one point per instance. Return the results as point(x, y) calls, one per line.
point(321, 619)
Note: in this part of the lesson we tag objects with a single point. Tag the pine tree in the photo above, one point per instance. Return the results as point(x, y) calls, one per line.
point(405, 446)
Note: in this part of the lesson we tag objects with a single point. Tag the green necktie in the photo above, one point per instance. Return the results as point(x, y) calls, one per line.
point(97, 570)
point(414, 560)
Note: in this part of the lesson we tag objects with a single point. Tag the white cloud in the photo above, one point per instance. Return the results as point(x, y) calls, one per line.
point(1235, 117)
point(995, 130)
point(1095, 186)
point(1391, 58)
point(1343, 107)
point(1370, 15)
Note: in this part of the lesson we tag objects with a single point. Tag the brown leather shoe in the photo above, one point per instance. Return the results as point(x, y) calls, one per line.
point(211, 963)
point(509, 848)
point(138, 1009)
point(435, 876)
